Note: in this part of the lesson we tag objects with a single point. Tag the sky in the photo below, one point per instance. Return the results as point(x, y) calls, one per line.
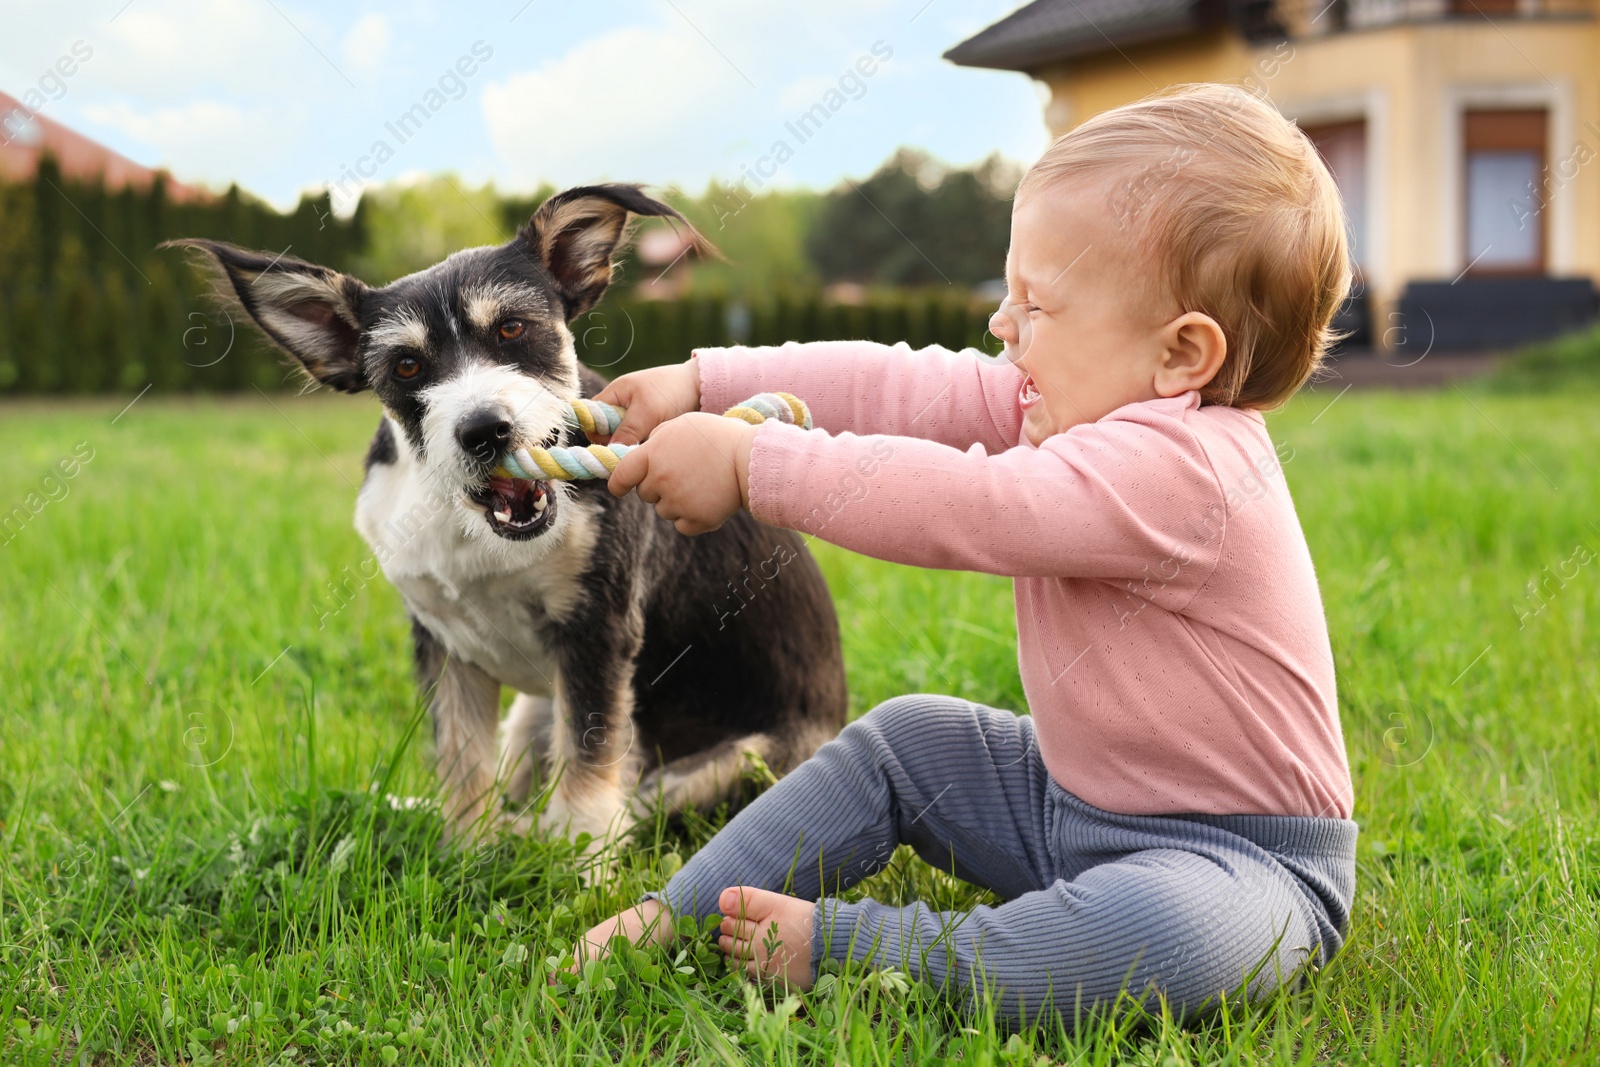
point(288, 95)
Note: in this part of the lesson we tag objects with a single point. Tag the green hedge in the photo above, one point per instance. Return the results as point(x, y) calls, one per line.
point(627, 334)
point(89, 304)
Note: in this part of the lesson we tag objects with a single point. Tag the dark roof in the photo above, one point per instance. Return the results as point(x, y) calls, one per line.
point(1047, 31)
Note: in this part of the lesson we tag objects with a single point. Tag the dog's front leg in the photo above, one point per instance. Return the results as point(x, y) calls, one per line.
point(593, 740)
point(464, 704)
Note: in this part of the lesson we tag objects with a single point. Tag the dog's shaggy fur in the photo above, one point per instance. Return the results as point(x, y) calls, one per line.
point(647, 663)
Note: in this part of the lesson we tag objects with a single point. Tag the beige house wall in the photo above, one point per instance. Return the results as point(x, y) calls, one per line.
point(1411, 84)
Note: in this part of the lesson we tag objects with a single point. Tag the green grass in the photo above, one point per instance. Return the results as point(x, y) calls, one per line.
point(198, 863)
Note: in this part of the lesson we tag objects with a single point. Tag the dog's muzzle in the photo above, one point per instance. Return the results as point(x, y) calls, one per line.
point(516, 508)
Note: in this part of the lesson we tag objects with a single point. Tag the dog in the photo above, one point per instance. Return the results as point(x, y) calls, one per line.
point(648, 665)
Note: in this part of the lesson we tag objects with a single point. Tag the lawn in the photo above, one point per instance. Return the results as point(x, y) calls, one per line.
point(207, 703)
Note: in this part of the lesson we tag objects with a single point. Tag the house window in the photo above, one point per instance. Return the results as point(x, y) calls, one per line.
point(1504, 172)
point(1344, 148)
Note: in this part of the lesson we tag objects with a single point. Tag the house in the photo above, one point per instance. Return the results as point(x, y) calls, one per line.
point(1464, 135)
point(662, 251)
point(26, 137)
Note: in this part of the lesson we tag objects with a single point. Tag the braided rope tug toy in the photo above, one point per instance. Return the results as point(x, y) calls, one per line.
point(598, 461)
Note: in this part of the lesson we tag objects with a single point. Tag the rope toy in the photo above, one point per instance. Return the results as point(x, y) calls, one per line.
point(598, 461)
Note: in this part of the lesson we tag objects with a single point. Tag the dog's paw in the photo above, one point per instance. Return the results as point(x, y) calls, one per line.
point(598, 821)
point(601, 812)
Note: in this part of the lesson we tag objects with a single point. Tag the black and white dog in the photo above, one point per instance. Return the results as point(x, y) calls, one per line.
point(636, 680)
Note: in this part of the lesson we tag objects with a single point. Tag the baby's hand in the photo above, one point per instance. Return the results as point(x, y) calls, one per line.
point(652, 397)
point(695, 469)
point(648, 923)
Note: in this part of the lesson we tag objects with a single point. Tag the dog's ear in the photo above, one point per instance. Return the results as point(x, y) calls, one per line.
point(311, 312)
point(575, 232)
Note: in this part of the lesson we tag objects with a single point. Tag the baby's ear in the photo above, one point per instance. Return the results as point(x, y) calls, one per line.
point(311, 312)
point(1194, 348)
point(575, 232)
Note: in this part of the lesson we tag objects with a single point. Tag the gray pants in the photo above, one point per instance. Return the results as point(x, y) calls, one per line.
point(1187, 907)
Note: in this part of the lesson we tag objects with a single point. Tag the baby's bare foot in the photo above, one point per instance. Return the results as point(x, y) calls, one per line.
point(769, 932)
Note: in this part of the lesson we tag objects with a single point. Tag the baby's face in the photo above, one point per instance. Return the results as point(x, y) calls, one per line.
point(1075, 319)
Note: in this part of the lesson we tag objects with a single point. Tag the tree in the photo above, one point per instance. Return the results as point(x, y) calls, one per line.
point(916, 222)
point(27, 340)
point(413, 226)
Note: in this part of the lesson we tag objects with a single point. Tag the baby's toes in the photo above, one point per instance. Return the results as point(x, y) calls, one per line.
point(734, 900)
point(740, 929)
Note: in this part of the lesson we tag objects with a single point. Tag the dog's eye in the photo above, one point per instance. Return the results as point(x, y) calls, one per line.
point(407, 367)
point(511, 329)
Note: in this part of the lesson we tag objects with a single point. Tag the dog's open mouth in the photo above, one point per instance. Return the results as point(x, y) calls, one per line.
point(516, 508)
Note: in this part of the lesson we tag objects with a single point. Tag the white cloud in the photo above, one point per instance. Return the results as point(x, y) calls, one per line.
point(164, 50)
point(614, 106)
point(222, 90)
point(702, 91)
point(367, 44)
point(201, 130)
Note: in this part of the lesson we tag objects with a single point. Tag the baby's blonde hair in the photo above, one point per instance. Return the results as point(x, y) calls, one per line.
point(1237, 208)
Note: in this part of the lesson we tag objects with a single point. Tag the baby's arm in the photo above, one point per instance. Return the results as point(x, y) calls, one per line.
point(1123, 500)
point(1115, 500)
point(954, 398)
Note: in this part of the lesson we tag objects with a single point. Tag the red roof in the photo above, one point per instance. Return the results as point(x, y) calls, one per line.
point(25, 137)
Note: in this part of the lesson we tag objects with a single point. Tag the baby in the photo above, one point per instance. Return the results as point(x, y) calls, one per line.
point(1173, 817)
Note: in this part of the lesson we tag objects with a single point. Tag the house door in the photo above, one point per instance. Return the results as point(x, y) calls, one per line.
point(1504, 195)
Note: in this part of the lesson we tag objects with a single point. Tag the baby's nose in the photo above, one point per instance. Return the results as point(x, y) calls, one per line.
point(1001, 326)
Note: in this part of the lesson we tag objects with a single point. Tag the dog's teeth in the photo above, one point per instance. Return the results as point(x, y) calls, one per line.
point(542, 503)
point(503, 516)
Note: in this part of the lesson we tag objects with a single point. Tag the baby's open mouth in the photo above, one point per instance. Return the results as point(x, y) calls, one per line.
point(515, 507)
point(1027, 393)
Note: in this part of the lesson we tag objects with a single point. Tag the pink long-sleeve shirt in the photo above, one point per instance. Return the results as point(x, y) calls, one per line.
point(1170, 633)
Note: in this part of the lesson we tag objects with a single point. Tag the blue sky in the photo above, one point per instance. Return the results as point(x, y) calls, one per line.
point(283, 95)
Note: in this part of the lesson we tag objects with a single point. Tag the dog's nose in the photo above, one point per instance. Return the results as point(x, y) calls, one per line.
point(484, 434)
